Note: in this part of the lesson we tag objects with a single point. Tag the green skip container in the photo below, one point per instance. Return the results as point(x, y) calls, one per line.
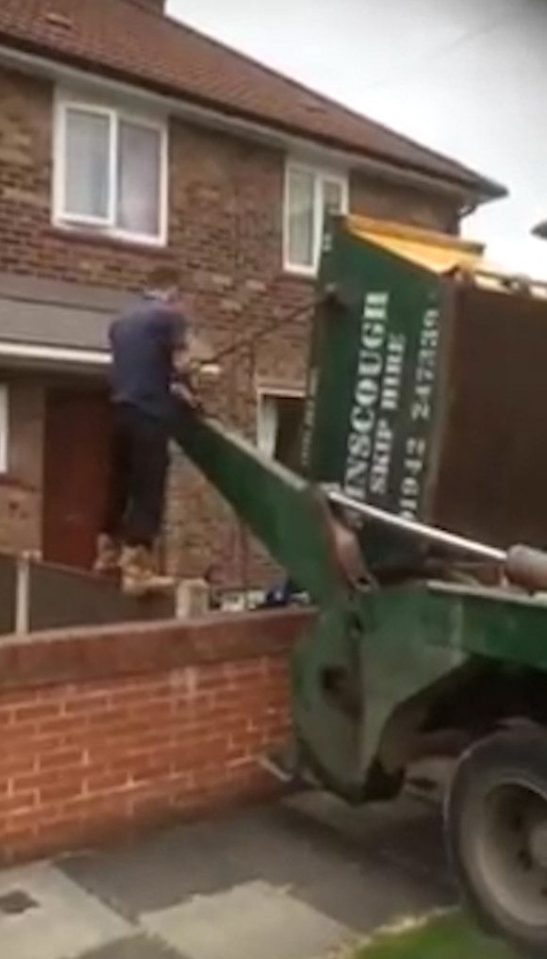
point(427, 388)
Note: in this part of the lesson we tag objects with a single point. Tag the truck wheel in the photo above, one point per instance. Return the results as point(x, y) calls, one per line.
point(496, 829)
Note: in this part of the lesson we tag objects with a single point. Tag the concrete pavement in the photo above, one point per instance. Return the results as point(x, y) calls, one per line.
point(298, 880)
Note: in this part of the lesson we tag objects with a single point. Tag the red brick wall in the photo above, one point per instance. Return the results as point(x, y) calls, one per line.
point(105, 731)
point(225, 223)
point(389, 201)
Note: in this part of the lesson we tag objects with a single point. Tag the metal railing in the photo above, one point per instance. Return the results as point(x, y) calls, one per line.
point(36, 596)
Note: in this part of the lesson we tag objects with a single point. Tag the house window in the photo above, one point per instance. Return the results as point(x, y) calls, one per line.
point(111, 173)
point(279, 425)
point(309, 195)
point(4, 428)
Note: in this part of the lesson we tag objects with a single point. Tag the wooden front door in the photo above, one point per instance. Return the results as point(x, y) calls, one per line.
point(77, 431)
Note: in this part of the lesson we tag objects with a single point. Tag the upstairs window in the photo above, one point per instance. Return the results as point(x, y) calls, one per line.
point(110, 173)
point(309, 195)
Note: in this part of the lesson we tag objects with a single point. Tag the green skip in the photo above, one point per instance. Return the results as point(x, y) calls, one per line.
point(448, 936)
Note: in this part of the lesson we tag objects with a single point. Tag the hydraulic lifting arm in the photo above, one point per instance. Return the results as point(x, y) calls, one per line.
point(293, 518)
point(288, 515)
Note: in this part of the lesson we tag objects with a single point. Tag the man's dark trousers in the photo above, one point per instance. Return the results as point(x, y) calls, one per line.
point(138, 469)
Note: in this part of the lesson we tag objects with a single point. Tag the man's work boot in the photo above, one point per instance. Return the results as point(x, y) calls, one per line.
point(139, 577)
point(108, 556)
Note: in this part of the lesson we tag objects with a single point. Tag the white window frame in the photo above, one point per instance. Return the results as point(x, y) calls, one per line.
point(106, 226)
point(320, 175)
point(4, 429)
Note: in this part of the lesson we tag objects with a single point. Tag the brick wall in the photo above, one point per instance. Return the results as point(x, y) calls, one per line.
point(376, 198)
point(225, 225)
point(105, 731)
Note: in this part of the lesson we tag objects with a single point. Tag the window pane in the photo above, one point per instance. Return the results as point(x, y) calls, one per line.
point(87, 164)
point(301, 218)
point(333, 196)
point(332, 200)
point(139, 166)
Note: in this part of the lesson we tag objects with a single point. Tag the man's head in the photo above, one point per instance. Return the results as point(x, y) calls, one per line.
point(164, 284)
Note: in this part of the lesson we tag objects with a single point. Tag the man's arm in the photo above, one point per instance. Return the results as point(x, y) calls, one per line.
point(181, 380)
point(176, 334)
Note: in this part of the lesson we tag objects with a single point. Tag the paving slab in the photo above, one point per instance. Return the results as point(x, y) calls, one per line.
point(358, 872)
point(170, 866)
point(254, 920)
point(138, 947)
point(56, 919)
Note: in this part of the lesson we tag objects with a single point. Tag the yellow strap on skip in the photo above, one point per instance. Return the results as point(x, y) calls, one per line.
point(437, 252)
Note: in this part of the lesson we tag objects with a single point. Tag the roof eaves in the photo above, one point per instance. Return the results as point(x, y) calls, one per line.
point(481, 188)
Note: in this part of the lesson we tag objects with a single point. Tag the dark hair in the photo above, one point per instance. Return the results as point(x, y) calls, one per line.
point(163, 278)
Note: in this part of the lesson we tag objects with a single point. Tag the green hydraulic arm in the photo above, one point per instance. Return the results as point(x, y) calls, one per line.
point(287, 514)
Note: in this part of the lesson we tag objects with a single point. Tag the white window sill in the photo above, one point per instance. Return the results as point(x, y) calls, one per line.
point(94, 233)
point(305, 272)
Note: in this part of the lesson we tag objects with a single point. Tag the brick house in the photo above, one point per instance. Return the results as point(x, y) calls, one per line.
point(126, 140)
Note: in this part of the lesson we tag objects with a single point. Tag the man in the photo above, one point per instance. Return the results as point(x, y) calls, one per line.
point(149, 346)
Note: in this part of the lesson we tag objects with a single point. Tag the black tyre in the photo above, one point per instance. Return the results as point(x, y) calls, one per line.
point(496, 829)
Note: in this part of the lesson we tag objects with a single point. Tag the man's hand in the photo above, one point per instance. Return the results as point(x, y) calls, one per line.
point(182, 361)
point(184, 392)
